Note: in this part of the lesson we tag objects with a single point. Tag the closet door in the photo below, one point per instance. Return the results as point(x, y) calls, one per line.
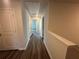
point(0, 36)
point(8, 33)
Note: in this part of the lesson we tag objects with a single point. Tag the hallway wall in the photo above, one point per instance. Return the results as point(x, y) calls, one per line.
point(64, 20)
point(26, 24)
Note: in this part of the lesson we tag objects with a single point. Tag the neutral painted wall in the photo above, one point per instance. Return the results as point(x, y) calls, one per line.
point(40, 26)
point(57, 46)
point(11, 25)
point(60, 27)
point(30, 26)
point(20, 25)
point(25, 16)
point(64, 20)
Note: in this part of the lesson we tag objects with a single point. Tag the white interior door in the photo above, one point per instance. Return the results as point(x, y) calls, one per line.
point(7, 29)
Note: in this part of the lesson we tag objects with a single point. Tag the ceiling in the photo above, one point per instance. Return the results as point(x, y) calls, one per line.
point(32, 7)
point(36, 7)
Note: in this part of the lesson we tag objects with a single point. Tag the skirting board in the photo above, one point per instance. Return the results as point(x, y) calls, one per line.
point(25, 45)
point(48, 51)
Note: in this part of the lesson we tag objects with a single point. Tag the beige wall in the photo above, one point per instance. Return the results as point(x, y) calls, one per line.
point(25, 16)
point(30, 26)
point(57, 46)
point(64, 20)
point(11, 25)
point(19, 25)
point(60, 27)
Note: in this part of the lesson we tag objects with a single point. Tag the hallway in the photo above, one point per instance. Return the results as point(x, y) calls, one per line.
point(35, 50)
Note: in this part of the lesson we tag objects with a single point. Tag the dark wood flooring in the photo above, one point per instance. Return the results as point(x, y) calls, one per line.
point(35, 50)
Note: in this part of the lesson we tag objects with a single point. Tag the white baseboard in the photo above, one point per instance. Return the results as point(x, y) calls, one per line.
point(48, 51)
point(21, 49)
point(26, 43)
point(25, 46)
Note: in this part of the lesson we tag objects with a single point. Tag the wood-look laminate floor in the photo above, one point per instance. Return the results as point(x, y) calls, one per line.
point(35, 50)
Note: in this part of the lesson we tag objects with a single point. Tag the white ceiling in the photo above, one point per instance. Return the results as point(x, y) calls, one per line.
point(35, 7)
point(32, 7)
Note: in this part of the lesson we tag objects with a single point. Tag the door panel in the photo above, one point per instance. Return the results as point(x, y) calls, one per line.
point(0, 36)
point(7, 28)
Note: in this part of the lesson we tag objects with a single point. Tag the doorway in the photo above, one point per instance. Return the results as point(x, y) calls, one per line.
point(38, 26)
point(34, 25)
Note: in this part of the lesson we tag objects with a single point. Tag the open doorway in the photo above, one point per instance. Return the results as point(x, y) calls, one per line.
point(42, 27)
point(34, 25)
point(38, 26)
